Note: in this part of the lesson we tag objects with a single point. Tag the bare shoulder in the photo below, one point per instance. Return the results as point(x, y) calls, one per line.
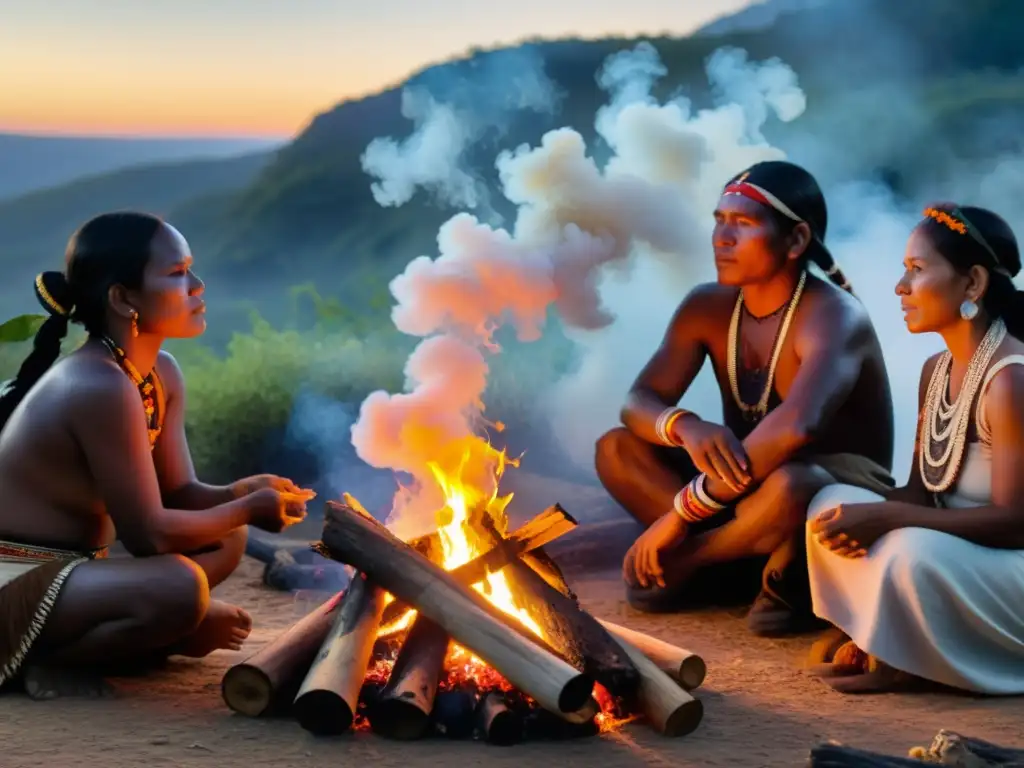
point(1005, 397)
point(707, 300)
point(827, 303)
point(93, 388)
point(170, 374)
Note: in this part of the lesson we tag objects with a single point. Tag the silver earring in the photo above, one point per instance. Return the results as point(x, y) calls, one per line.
point(968, 310)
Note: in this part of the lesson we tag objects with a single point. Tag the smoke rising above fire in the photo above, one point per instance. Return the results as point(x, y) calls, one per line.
point(577, 223)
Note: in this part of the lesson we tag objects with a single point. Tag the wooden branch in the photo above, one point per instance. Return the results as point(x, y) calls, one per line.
point(685, 667)
point(573, 632)
point(402, 711)
point(268, 679)
point(527, 663)
point(327, 701)
point(539, 530)
point(670, 709)
point(497, 723)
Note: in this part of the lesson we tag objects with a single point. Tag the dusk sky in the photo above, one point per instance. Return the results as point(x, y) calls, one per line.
point(263, 67)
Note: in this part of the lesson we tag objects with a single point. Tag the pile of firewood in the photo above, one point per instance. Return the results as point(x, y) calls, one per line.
point(317, 671)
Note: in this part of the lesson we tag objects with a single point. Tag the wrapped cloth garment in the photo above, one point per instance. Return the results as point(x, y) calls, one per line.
point(31, 578)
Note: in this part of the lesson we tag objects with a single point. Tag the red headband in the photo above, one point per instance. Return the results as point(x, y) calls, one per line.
point(759, 195)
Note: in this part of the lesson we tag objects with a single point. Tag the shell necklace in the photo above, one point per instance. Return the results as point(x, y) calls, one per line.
point(943, 430)
point(760, 409)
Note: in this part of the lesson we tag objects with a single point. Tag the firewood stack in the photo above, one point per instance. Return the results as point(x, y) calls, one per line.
point(585, 675)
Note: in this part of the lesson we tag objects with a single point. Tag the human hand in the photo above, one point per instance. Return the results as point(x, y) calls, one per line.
point(850, 529)
point(273, 510)
point(248, 485)
point(643, 560)
point(715, 451)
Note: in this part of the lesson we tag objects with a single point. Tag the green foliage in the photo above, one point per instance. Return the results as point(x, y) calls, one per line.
point(20, 328)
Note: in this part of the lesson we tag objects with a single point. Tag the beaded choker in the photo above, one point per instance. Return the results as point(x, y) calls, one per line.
point(148, 389)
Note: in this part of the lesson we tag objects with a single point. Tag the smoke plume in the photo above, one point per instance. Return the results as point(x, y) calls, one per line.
point(613, 248)
point(450, 117)
point(574, 220)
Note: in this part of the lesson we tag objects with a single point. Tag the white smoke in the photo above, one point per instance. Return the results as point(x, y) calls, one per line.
point(574, 219)
point(451, 117)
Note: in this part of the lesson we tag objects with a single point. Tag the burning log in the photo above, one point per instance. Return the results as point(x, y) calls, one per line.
point(573, 632)
point(670, 709)
point(327, 701)
point(403, 709)
point(268, 679)
point(686, 668)
point(527, 663)
point(497, 722)
point(538, 531)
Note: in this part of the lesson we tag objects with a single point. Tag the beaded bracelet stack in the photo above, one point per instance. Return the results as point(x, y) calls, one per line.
point(693, 503)
point(663, 425)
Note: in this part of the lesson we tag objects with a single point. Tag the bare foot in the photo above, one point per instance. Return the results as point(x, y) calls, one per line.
point(46, 683)
point(224, 627)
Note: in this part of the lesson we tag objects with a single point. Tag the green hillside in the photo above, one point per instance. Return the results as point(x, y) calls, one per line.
point(900, 89)
point(310, 215)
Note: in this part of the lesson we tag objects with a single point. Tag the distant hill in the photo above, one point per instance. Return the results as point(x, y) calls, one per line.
point(309, 215)
point(32, 163)
point(34, 228)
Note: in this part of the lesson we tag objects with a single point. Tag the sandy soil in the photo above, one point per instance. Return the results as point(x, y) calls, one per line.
point(760, 708)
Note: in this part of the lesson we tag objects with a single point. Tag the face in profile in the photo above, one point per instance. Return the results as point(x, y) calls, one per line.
point(746, 242)
point(930, 291)
point(170, 303)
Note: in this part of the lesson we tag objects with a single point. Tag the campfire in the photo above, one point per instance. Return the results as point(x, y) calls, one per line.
point(469, 631)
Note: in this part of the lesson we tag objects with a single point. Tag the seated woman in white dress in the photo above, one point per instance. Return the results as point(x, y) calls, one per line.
point(927, 583)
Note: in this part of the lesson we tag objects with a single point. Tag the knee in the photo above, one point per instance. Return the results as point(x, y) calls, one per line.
point(177, 595)
point(612, 452)
point(791, 488)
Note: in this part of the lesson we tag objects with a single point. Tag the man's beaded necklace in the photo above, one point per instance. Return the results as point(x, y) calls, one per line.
point(758, 411)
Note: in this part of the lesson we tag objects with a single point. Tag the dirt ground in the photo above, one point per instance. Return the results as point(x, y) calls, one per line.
point(760, 708)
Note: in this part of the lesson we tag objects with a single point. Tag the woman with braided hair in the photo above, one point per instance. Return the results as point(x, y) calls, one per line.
point(806, 403)
point(926, 582)
point(93, 448)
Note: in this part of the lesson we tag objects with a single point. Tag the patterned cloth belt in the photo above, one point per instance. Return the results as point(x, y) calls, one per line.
point(11, 552)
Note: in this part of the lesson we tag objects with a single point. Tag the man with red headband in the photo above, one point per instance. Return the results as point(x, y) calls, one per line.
point(806, 403)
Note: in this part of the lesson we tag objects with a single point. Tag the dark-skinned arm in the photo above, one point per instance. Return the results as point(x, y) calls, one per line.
point(179, 486)
point(832, 342)
point(914, 491)
point(672, 368)
point(999, 525)
point(108, 425)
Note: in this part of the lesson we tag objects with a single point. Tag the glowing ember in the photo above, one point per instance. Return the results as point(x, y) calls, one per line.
point(468, 474)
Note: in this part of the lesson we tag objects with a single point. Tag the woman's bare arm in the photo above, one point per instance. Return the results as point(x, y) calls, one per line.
point(108, 422)
point(179, 486)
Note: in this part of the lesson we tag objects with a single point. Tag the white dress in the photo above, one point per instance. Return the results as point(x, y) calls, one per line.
point(926, 602)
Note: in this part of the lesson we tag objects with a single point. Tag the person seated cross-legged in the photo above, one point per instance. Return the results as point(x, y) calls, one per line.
point(93, 449)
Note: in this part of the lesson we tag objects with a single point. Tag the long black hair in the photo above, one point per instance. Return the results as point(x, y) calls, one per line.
point(967, 236)
point(794, 197)
point(111, 249)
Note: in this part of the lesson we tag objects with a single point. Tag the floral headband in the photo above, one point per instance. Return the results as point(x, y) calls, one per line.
point(956, 221)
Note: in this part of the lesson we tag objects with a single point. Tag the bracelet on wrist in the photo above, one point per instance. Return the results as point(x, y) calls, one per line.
point(664, 423)
point(694, 505)
point(700, 490)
